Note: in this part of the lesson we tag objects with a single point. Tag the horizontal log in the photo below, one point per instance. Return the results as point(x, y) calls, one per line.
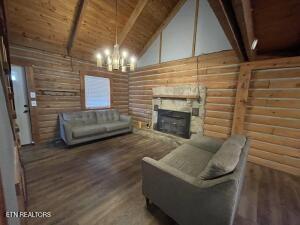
point(274, 139)
point(283, 159)
point(274, 93)
point(279, 149)
point(275, 112)
point(215, 134)
point(274, 121)
point(270, 129)
point(274, 165)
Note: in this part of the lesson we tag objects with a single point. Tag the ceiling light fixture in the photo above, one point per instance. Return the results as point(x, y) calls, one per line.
point(116, 61)
point(254, 44)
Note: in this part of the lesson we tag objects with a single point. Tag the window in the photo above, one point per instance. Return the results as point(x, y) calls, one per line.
point(97, 92)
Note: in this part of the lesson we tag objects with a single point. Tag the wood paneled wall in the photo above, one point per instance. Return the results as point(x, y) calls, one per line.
point(57, 84)
point(272, 118)
point(218, 72)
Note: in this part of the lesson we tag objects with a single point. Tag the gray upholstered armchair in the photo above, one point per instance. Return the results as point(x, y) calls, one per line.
point(184, 187)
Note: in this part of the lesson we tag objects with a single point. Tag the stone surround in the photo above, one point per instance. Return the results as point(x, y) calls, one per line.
point(181, 103)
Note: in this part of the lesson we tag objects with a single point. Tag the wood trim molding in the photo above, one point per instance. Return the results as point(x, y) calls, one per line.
point(82, 88)
point(275, 63)
point(195, 27)
point(243, 12)
point(162, 26)
point(132, 20)
point(34, 114)
point(241, 99)
point(77, 22)
point(224, 12)
point(160, 47)
point(3, 219)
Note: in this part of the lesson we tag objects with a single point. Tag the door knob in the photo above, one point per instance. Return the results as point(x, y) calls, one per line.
point(26, 111)
point(25, 105)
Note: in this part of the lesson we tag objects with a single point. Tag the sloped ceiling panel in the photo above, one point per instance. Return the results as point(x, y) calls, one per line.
point(155, 12)
point(46, 25)
point(40, 23)
point(98, 29)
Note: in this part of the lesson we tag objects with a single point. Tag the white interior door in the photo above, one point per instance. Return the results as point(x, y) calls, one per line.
point(21, 103)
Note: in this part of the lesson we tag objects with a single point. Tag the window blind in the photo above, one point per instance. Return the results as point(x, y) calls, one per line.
point(97, 92)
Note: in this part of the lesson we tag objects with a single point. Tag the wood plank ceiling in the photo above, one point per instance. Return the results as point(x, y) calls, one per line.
point(280, 31)
point(274, 23)
point(46, 24)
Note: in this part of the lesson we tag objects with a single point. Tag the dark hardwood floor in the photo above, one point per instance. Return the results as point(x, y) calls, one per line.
point(100, 183)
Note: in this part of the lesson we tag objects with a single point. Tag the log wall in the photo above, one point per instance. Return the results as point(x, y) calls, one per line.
point(57, 84)
point(272, 119)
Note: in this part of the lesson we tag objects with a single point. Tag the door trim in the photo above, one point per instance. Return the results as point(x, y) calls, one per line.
point(33, 110)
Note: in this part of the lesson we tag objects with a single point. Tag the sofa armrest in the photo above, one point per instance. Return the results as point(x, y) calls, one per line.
point(127, 119)
point(65, 130)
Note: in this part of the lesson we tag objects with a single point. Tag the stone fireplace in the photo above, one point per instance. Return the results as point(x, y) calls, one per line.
point(178, 110)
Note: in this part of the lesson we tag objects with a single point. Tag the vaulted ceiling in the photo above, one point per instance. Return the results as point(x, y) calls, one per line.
point(51, 24)
point(274, 24)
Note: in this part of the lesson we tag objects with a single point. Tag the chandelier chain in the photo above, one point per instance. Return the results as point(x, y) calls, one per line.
point(116, 21)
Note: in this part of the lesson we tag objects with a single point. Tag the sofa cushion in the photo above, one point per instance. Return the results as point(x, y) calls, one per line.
point(226, 158)
point(88, 130)
point(116, 125)
point(188, 159)
point(89, 117)
point(206, 143)
point(83, 117)
point(107, 115)
point(69, 116)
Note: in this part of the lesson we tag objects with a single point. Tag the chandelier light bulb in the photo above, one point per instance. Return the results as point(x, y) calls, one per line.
point(124, 54)
point(133, 59)
point(132, 63)
point(99, 60)
point(99, 56)
point(107, 52)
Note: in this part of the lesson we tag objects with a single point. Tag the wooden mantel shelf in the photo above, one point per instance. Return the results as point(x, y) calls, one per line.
point(177, 96)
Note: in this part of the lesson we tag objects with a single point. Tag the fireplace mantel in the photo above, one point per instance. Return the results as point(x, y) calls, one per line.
point(177, 96)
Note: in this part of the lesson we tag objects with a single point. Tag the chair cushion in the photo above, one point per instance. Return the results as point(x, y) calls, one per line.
point(188, 159)
point(226, 158)
point(206, 143)
point(116, 125)
point(88, 130)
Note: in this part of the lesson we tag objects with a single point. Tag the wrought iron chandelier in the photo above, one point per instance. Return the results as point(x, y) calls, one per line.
point(116, 61)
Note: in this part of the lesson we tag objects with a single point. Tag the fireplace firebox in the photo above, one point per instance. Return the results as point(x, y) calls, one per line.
point(174, 122)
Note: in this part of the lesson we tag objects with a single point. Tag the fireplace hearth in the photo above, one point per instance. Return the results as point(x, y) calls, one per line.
point(174, 122)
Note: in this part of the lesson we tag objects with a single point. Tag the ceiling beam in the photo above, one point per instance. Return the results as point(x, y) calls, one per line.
point(243, 13)
point(77, 22)
point(225, 14)
point(132, 20)
point(163, 25)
